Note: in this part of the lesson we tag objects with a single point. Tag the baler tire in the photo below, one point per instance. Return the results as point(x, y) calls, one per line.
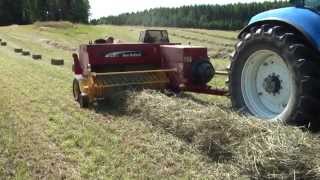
point(303, 107)
point(84, 101)
point(76, 90)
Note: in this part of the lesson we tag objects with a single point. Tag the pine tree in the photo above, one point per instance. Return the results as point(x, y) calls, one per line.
point(227, 17)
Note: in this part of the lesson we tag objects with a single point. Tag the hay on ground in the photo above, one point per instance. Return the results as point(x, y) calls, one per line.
point(260, 150)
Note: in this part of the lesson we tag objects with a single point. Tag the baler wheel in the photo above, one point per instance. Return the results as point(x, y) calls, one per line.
point(84, 101)
point(76, 90)
point(275, 76)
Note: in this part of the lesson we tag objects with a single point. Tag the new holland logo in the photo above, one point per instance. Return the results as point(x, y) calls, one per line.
point(124, 54)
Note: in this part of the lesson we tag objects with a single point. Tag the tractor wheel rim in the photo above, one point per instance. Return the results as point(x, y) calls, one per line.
point(266, 84)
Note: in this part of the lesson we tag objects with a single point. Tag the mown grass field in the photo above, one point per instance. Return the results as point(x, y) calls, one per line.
point(136, 135)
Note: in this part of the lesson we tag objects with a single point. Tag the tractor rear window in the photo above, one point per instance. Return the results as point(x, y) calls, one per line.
point(158, 36)
point(155, 35)
point(315, 4)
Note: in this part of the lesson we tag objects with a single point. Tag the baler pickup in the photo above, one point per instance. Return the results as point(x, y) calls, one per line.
point(104, 83)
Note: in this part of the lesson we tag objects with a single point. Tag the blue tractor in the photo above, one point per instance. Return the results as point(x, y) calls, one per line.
point(275, 69)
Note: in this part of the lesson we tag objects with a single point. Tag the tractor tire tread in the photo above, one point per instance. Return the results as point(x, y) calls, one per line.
point(307, 110)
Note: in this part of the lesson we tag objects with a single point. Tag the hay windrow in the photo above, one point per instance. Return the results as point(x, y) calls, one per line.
point(261, 150)
point(54, 24)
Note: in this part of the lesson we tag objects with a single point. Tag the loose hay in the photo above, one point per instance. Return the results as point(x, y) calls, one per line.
point(54, 24)
point(260, 150)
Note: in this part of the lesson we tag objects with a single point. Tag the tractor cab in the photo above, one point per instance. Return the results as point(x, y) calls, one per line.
point(313, 4)
point(154, 36)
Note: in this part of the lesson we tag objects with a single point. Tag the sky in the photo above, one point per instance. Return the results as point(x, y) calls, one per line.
point(100, 8)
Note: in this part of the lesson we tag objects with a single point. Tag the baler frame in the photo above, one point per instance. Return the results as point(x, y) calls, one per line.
point(102, 69)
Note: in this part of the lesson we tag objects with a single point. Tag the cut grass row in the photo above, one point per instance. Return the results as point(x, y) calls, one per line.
point(254, 149)
point(44, 135)
point(47, 136)
point(34, 38)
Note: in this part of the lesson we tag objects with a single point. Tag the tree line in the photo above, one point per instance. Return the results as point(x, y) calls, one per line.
point(225, 17)
point(29, 11)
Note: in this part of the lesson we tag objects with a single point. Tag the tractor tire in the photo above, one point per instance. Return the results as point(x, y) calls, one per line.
point(275, 76)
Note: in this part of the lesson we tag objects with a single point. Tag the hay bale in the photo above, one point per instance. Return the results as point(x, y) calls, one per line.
point(26, 53)
point(57, 62)
point(36, 56)
point(3, 43)
point(44, 29)
point(0, 40)
point(18, 50)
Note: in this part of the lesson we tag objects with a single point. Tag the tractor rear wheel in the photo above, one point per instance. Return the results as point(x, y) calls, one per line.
point(274, 76)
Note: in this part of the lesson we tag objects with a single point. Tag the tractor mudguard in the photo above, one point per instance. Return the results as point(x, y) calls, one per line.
point(304, 20)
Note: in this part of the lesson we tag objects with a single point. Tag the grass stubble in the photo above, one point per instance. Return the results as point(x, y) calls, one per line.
point(135, 135)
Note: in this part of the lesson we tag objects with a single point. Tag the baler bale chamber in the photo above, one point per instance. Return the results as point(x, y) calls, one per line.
point(106, 68)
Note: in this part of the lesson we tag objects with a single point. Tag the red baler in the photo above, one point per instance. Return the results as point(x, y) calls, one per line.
point(103, 68)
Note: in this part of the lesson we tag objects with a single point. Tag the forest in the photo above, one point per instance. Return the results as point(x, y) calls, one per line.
point(225, 17)
point(29, 11)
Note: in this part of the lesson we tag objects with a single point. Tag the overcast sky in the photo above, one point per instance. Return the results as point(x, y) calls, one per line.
point(101, 8)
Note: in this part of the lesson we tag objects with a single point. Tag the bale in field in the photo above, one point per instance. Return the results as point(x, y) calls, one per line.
point(18, 50)
point(3, 43)
point(36, 56)
point(258, 149)
point(43, 28)
point(57, 62)
point(26, 53)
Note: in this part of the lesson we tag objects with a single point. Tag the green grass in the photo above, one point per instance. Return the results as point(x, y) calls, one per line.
point(60, 140)
point(139, 135)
